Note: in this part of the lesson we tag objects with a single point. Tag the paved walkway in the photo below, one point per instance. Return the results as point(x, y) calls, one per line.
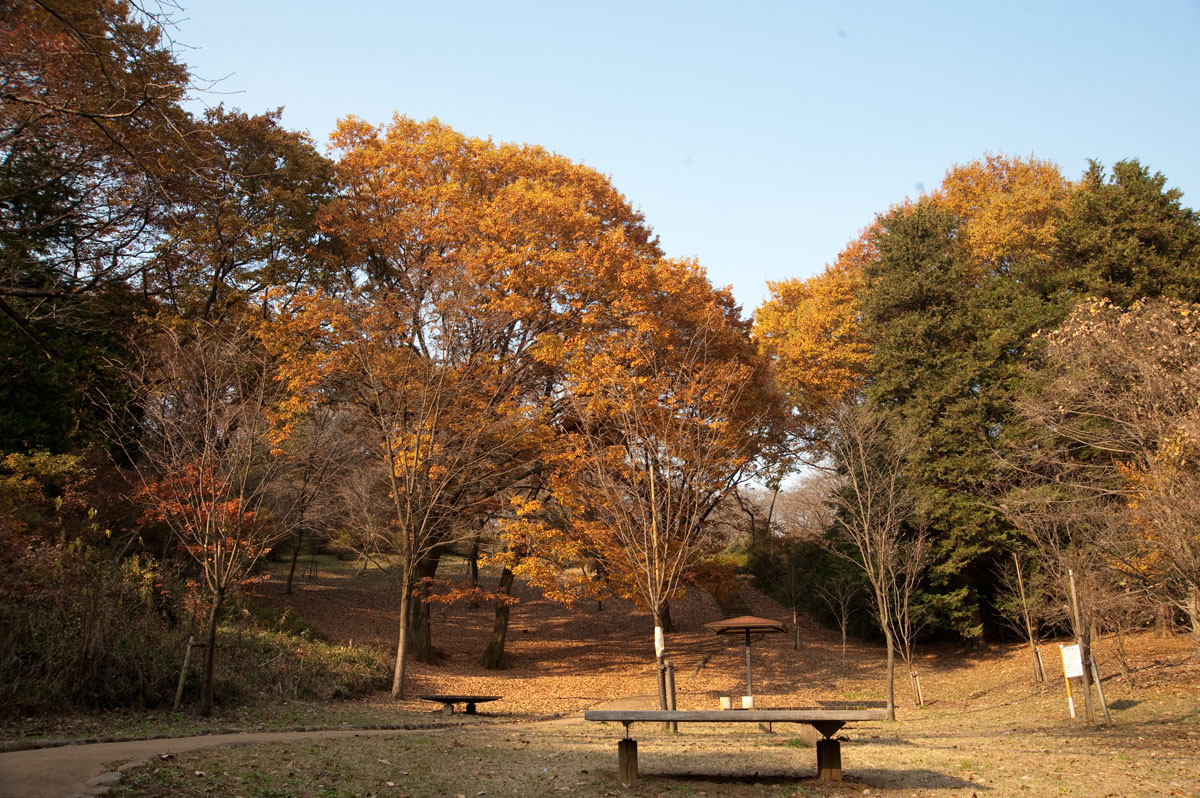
point(66, 770)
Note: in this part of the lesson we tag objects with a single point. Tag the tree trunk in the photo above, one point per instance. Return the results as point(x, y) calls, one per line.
point(1163, 620)
point(210, 648)
point(660, 651)
point(402, 639)
point(796, 629)
point(891, 672)
point(494, 657)
point(295, 556)
point(1194, 611)
point(664, 619)
point(420, 638)
point(473, 571)
point(845, 621)
point(1083, 640)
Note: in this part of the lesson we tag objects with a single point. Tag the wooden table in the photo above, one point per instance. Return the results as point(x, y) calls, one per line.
point(448, 701)
point(826, 721)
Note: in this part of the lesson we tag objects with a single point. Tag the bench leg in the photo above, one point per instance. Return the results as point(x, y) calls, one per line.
point(829, 760)
point(447, 710)
point(470, 709)
point(627, 761)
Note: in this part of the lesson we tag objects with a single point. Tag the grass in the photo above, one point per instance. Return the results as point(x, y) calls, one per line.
point(1023, 750)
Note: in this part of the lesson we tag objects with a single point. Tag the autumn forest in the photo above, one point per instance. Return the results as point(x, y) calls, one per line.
point(225, 343)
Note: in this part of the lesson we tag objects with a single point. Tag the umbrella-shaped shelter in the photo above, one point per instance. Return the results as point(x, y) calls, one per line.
point(748, 625)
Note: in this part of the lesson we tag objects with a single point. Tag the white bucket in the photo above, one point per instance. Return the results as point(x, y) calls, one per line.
point(726, 702)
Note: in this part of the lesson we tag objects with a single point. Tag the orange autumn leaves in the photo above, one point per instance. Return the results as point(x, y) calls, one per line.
point(504, 318)
point(1010, 211)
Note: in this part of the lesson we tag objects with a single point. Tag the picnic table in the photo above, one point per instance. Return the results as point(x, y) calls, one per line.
point(826, 721)
point(448, 701)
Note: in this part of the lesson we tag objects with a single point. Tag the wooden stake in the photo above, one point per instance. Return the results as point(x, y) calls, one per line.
point(1100, 690)
point(1039, 674)
point(187, 659)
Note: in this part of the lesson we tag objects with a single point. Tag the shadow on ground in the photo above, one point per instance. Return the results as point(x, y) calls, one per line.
point(916, 779)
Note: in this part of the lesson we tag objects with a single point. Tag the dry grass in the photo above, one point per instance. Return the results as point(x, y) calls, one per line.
point(986, 729)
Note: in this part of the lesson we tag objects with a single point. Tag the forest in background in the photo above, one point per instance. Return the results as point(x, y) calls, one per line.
point(218, 341)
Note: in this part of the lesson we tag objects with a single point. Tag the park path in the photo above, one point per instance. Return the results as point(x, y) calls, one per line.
point(68, 770)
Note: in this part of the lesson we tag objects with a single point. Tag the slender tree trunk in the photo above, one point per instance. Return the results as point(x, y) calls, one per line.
point(891, 672)
point(494, 657)
point(796, 629)
point(1083, 638)
point(295, 556)
point(473, 570)
point(1039, 675)
point(659, 654)
point(420, 637)
point(402, 639)
point(210, 648)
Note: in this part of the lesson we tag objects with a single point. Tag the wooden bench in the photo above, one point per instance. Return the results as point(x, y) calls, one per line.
point(826, 721)
point(448, 701)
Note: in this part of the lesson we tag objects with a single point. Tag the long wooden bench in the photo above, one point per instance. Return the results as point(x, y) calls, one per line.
point(826, 721)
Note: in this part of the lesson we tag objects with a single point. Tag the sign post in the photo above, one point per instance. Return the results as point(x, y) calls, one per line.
point(1072, 668)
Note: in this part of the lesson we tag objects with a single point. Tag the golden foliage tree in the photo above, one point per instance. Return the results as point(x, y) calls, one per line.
point(811, 329)
point(468, 264)
point(1011, 208)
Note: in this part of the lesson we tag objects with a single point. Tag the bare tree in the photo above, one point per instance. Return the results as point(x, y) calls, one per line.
point(1115, 430)
point(200, 444)
point(875, 504)
point(661, 445)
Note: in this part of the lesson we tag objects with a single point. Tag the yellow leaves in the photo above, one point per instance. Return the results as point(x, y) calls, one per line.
point(1011, 207)
point(811, 331)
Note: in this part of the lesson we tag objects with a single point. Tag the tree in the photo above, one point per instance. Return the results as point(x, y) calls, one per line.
point(241, 216)
point(89, 101)
point(449, 427)
point(669, 420)
point(200, 442)
point(1129, 237)
point(811, 330)
point(1011, 211)
point(875, 505)
point(494, 253)
point(1117, 421)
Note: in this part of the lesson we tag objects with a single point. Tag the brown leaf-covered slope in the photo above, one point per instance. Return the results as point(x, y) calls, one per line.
point(566, 659)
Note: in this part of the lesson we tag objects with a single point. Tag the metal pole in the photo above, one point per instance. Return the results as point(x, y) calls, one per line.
point(749, 681)
point(671, 692)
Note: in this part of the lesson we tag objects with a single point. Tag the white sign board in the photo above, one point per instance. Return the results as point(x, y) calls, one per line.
point(1072, 661)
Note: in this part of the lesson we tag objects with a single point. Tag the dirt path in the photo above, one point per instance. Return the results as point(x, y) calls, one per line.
point(68, 770)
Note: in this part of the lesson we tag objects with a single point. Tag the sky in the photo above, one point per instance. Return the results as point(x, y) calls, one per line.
point(756, 137)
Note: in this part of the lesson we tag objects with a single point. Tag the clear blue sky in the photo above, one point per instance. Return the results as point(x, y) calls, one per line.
point(758, 137)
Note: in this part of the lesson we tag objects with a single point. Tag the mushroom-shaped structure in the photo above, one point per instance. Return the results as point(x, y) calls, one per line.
point(748, 625)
